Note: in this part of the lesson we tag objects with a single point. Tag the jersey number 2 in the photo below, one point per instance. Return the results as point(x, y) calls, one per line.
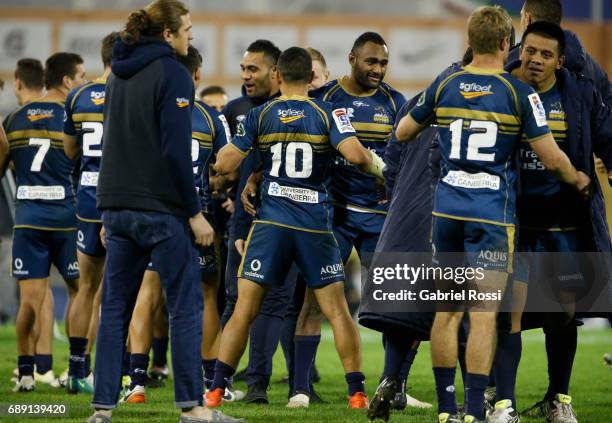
point(484, 136)
point(291, 153)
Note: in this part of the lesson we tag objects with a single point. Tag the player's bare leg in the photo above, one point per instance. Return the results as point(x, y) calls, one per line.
point(92, 331)
point(158, 374)
point(43, 328)
point(234, 337)
point(31, 296)
point(141, 335)
point(72, 285)
point(211, 324)
point(346, 339)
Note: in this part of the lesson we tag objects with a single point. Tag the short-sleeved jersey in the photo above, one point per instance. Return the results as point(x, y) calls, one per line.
point(209, 134)
point(83, 120)
point(544, 202)
point(45, 195)
point(482, 115)
point(296, 137)
point(373, 117)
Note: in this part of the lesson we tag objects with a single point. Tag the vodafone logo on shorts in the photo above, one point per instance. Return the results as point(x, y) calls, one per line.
point(254, 266)
point(18, 268)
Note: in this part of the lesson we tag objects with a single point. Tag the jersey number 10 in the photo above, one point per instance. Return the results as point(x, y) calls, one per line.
point(291, 153)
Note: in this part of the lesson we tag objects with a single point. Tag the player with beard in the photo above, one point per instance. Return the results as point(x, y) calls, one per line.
point(260, 83)
point(296, 137)
point(360, 205)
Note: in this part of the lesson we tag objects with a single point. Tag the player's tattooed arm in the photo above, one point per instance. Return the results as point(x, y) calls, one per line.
point(71, 147)
point(250, 191)
point(4, 151)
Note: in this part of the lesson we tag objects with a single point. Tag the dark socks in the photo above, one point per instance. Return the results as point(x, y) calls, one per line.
point(507, 358)
point(87, 364)
point(25, 364)
point(305, 351)
point(44, 363)
point(223, 373)
point(139, 364)
point(561, 349)
point(407, 364)
point(209, 371)
point(76, 367)
point(263, 342)
point(160, 351)
point(356, 382)
point(475, 386)
point(396, 349)
point(286, 341)
point(125, 364)
point(445, 389)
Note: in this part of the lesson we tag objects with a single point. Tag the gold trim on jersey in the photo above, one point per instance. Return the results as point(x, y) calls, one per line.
point(244, 153)
point(88, 117)
point(82, 219)
point(502, 128)
point(374, 127)
point(34, 133)
point(246, 245)
point(483, 71)
point(78, 93)
point(297, 228)
point(208, 118)
point(44, 228)
point(201, 136)
point(344, 140)
point(510, 234)
point(558, 125)
point(460, 112)
point(471, 219)
point(444, 82)
point(292, 137)
point(342, 85)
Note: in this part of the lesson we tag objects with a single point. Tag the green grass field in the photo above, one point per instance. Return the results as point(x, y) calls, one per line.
point(591, 385)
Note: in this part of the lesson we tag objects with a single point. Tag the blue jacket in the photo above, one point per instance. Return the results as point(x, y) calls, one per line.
point(578, 60)
point(589, 121)
point(146, 147)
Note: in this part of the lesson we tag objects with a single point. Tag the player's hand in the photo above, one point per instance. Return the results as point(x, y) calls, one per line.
point(203, 232)
point(239, 244)
point(228, 206)
point(583, 185)
point(103, 236)
point(248, 195)
point(600, 166)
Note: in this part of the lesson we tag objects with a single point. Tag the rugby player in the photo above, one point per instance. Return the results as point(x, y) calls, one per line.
point(295, 136)
point(83, 138)
point(45, 216)
point(552, 217)
point(28, 85)
point(360, 206)
point(260, 83)
point(476, 167)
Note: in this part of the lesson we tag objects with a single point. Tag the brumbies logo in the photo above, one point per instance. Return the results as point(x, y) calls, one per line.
point(473, 90)
point(35, 115)
point(182, 102)
point(556, 111)
point(381, 115)
point(290, 115)
point(97, 97)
